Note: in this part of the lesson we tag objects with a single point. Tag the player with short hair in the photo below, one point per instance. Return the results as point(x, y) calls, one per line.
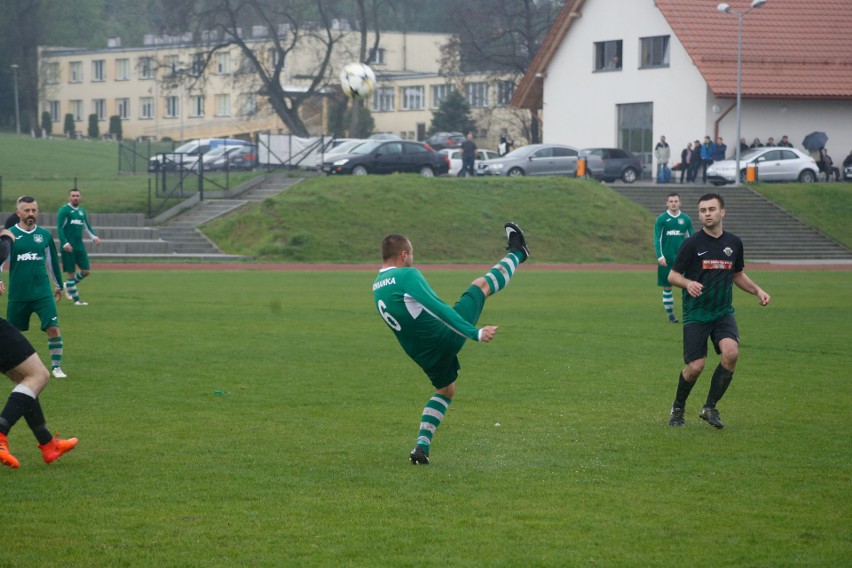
point(431, 332)
point(30, 289)
point(707, 266)
point(71, 219)
point(670, 230)
point(20, 362)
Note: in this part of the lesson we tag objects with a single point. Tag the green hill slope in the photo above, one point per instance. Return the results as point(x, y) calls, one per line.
point(343, 219)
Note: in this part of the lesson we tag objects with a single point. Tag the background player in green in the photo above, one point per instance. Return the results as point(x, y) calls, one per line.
point(670, 230)
point(30, 288)
point(431, 332)
point(70, 222)
point(20, 362)
point(707, 266)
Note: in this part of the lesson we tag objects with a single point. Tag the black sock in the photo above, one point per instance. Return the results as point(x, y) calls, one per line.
point(684, 387)
point(37, 423)
point(18, 405)
point(718, 385)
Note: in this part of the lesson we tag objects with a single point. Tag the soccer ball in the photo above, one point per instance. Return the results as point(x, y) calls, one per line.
point(357, 80)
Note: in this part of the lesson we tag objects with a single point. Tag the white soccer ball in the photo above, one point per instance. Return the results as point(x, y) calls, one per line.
point(357, 80)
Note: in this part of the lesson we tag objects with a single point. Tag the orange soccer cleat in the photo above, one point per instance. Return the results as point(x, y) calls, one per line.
point(5, 457)
point(56, 447)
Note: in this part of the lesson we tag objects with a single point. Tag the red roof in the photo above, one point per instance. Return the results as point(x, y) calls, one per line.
point(792, 49)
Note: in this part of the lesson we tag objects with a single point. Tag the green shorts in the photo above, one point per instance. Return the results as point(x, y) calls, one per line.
point(663, 274)
point(71, 260)
point(446, 370)
point(18, 313)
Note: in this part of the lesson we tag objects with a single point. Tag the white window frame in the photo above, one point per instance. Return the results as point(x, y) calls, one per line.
point(223, 63)
point(377, 56)
point(412, 97)
point(476, 94)
point(172, 106)
point(99, 108)
point(75, 107)
point(223, 104)
point(146, 67)
point(53, 108)
point(51, 72)
point(196, 106)
point(440, 93)
point(384, 100)
point(146, 108)
point(122, 69)
point(98, 70)
point(505, 91)
point(122, 108)
point(75, 72)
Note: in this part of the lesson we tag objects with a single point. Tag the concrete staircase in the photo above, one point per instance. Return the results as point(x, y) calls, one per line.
point(768, 232)
point(174, 234)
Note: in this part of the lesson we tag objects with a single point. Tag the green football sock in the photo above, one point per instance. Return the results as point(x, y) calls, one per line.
point(54, 345)
point(668, 303)
point(433, 414)
point(500, 275)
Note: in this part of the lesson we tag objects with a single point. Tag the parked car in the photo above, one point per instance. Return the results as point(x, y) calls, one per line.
point(773, 164)
point(456, 161)
point(533, 160)
point(610, 164)
point(385, 136)
point(186, 155)
point(345, 147)
point(229, 158)
point(388, 156)
point(441, 140)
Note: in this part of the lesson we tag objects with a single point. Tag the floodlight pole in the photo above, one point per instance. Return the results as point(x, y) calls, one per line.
point(725, 8)
point(17, 107)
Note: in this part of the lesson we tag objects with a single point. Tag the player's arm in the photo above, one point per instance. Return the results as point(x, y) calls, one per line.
point(746, 284)
point(92, 235)
point(53, 267)
point(6, 240)
point(420, 290)
point(658, 240)
point(61, 217)
point(677, 275)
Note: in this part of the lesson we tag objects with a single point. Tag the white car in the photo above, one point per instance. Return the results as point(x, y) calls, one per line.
point(773, 164)
point(454, 155)
point(186, 156)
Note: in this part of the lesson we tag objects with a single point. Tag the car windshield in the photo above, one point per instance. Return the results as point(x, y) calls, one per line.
point(346, 147)
point(749, 154)
point(367, 147)
point(219, 151)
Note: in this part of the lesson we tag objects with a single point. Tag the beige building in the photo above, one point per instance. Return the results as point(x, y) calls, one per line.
point(159, 90)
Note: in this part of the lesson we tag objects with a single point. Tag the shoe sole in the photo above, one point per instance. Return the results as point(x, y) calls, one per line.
point(510, 227)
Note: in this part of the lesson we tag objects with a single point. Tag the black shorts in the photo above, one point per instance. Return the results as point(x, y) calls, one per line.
point(14, 347)
point(695, 337)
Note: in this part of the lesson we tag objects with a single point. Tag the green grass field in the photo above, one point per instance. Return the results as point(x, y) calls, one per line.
point(254, 418)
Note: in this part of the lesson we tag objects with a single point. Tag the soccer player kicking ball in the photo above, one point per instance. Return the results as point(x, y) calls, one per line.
point(707, 266)
point(430, 331)
point(19, 362)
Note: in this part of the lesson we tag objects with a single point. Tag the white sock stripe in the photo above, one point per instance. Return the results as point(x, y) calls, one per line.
point(424, 441)
point(433, 412)
point(24, 389)
point(428, 427)
point(439, 400)
point(493, 280)
point(512, 260)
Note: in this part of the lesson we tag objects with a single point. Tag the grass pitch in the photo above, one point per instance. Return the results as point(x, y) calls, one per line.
point(264, 419)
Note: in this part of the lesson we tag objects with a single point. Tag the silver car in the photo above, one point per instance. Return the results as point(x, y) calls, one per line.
point(533, 160)
point(773, 164)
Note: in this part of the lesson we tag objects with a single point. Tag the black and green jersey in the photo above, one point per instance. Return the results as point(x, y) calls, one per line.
point(70, 222)
point(32, 260)
point(425, 326)
point(669, 233)
point(713, 262)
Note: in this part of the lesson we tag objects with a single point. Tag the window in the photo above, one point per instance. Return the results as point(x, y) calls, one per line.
point(223, 63)
point(122, 108)
point(248, 104)
point(377, 55)
point(75, 74)
point(172, 107)
point(440, 92)
point(198, 63)
point(54, 110)
point(635, 129)
point(476, 94)
point(505, 90)
point(246, 65)
point(608, 55)
point(383, 100)
point(196, 105)
point(146, 68)
point(654, 52)
point(51, 72)
point(76, 109)
point(122, 69)
point(146, 108)
point(223, 105)
point(173, 63)
point(412, 98)
point(99, 70)
point(99, 108)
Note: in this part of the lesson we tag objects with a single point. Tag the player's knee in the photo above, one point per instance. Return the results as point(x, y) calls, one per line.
point(448, 391)
point(693, 369)
point(482, 284)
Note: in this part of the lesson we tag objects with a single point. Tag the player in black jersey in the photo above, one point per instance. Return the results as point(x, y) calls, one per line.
point(708, 263)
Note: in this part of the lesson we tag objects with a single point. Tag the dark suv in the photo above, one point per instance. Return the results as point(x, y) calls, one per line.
point(441, 140)
point(610, 164)
point(386, 157)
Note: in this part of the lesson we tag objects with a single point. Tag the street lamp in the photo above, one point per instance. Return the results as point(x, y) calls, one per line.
point(725, 8)
point(17, 108)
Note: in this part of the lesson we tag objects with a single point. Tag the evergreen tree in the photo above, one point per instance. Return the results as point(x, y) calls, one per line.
point(46, 123)
point(115, 126)
point(453, 115)
point(68, 127)
point(94, 131)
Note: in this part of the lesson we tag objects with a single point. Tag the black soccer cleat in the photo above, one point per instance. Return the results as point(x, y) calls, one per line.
point(516, 240)
point(676, 417)
point(711, 415)
point(419, 456)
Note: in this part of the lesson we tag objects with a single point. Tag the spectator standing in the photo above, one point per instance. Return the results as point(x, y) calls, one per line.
point(826, 164)
point(707, 151)
point(685, 161)
point(468, 148)
point(847, 163)
point(696, 161)
point(756, 143)
point(720, 150)
point(770, 142)
point(663, 153)
point(785, 143)
point(743, 145)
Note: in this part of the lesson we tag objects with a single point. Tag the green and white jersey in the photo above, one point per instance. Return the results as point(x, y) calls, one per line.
point(70, 222)
point(669, 233)
point(424, 325)
point(32, 261)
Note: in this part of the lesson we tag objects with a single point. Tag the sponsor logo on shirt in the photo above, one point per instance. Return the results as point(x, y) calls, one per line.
point(28, 256)
point(76, 222)
point(383, 283)
point(712, 264)
point(674, 233)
